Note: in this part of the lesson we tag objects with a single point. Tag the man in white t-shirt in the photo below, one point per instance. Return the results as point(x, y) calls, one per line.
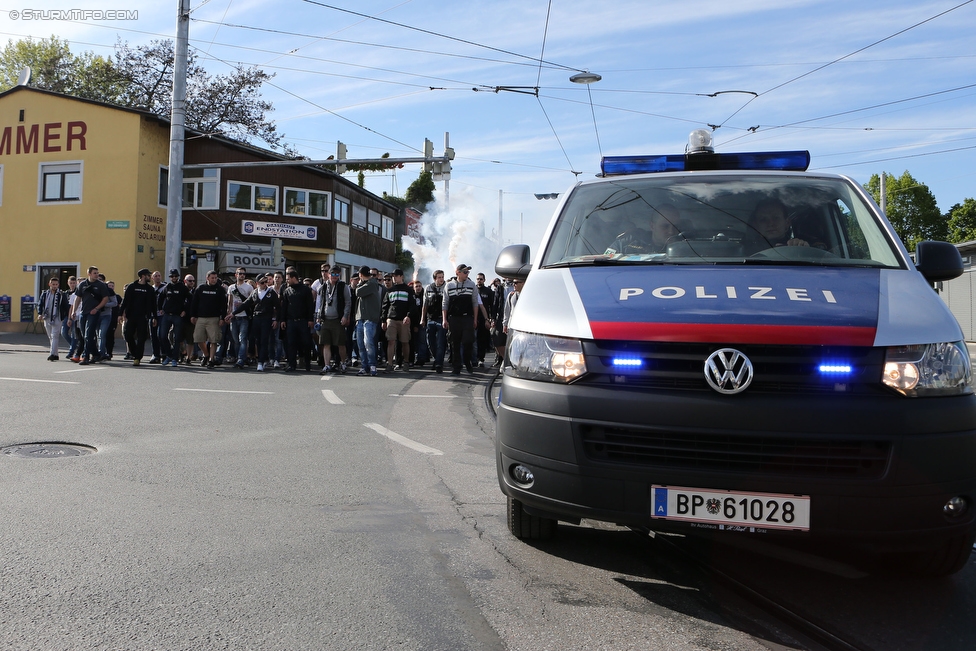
point(239, 323)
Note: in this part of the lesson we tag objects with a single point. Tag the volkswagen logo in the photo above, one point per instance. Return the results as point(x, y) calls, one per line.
point(728, 371)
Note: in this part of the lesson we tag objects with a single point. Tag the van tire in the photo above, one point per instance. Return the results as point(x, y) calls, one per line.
point(528, 527)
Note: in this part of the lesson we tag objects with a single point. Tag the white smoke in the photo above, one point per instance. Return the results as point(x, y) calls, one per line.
point(454, 234)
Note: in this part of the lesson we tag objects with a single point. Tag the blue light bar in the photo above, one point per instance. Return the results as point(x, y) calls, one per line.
point(627, 362)
point(835, 369)
point(784, 161)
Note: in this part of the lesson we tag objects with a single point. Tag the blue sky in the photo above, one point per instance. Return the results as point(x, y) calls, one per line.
point(865, 86)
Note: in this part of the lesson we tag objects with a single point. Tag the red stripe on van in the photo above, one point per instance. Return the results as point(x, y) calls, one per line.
point(734, 333)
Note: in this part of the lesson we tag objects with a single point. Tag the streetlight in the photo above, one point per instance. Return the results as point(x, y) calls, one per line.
point(585, 77)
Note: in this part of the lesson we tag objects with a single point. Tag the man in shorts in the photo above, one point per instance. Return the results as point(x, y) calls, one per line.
point(334, 308)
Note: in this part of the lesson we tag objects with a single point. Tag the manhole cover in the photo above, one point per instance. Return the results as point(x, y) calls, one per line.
point(47, 450)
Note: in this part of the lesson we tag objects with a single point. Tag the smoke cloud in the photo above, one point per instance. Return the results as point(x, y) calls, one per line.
point(453, 235)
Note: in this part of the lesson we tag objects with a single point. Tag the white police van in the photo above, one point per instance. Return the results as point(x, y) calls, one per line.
point(716, 343)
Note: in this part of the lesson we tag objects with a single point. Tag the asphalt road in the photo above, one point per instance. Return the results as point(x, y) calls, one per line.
point(237, 510)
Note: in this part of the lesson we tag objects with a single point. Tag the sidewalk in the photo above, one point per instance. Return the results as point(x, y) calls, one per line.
point(18, 342)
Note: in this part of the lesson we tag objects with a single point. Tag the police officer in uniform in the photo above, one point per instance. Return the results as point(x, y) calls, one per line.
point(460, 316)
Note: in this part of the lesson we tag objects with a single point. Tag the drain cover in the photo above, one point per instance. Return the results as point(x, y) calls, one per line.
point(47, 450)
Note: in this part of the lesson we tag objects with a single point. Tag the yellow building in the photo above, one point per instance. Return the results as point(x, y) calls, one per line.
point(83, 183)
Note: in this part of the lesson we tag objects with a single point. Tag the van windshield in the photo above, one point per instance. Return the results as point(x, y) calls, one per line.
point(720, 219)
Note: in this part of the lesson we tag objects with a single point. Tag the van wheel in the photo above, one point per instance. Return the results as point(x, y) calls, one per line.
point(528, 527)
point(946, 560)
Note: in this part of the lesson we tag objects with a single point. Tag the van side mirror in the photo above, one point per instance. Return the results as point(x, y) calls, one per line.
point(938, 261)
point(514, 262)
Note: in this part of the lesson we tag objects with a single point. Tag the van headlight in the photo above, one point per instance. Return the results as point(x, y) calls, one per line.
point(539, 357)
point(928, 369)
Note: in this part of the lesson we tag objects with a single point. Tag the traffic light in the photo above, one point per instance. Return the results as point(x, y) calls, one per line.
point(340, 155)
point(428, 154)
point(189, 256)
point(442, 171)
point(276, 258)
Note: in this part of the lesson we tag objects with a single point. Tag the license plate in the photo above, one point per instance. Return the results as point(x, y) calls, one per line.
point(731, 508)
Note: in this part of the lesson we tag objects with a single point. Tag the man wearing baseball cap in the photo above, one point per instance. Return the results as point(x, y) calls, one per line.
point(173, 303)
point(460, 316)
point(137, 314)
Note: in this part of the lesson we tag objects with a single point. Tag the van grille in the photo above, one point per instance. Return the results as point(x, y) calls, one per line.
point(765, 455)
point(778, 369)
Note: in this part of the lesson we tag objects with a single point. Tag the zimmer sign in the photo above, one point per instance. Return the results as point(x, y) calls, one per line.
point(276, 229)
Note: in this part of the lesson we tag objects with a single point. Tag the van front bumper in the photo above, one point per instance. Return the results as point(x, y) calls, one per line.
point(922, 454)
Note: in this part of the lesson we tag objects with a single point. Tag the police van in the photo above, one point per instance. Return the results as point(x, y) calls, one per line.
point(727, 344)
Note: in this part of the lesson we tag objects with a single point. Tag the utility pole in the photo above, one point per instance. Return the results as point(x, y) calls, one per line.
point(174, 201)
point(883, 191)
point(447, 177)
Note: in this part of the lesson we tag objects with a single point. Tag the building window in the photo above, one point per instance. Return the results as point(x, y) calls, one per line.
point(388, 228)
point(309, 203)
point(60, 182)
point(163, 198)
point(200, 188)
point(373, 225)
point(359, 216)
point(252, 197)
point(341, 211)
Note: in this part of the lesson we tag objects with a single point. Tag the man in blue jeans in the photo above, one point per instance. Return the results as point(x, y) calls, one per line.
point(94, 295)
point(367, 319)
point(173, 303)
point(239, 323)
point(430, 320)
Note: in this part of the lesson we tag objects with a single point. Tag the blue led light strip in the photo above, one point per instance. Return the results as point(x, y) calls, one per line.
point(784, 161)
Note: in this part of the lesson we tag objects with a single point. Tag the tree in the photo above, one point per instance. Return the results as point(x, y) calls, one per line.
point(961, 220)
point(142, 77)
point(421, 192)
point(54, 68)
point(911, 208)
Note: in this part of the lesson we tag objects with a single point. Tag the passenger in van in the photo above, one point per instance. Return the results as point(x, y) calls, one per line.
point(636, 240)
point(770, 221)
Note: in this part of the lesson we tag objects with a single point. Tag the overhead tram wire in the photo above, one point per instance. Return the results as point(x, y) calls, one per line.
point(798, 123)
point(439, 35)
point(846, 56)
point(385, 46)
point(885, 160)
point(330, 112)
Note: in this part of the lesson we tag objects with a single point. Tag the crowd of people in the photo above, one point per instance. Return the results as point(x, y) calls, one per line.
point(280, 320)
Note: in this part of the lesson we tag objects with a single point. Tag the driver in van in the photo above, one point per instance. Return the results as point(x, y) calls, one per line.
point(636, 240)
point(769, 219)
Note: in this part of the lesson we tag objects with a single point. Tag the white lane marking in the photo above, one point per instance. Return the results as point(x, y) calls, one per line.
point(402, 440)
point(23, 379)
point(417, 395)
point(330, 395)
point(264, 393)
point(325, 377)
point(82, 370)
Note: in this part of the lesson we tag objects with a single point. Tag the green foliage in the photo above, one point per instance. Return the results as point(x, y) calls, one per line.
point(911, 209)
point(399, 202)
point(404, 259)
point(421, 191)
point(54, 68)
point(374, 167)
point(961, 220)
